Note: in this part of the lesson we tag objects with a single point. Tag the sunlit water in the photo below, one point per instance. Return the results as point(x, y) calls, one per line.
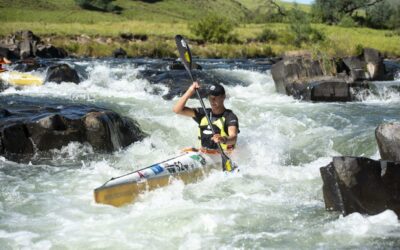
point(274, 202)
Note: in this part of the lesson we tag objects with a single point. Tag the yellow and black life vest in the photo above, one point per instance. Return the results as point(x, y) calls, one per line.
point(205, 133)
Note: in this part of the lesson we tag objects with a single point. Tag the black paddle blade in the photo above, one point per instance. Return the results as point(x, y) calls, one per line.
point(184, 52)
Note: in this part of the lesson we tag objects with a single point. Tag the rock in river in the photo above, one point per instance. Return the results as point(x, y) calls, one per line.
point(28, 126)
point(357, 184)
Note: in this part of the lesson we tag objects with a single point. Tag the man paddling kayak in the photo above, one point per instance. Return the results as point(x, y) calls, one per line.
point(225, 122)
point(3, 60)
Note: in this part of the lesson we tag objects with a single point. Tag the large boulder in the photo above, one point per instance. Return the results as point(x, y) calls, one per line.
point(62, 73)
point(353, 184)
point(25, 44)
point(388, 139)
point(177, 81)
point(306, 78)
point(28, 127)
point(49, 51)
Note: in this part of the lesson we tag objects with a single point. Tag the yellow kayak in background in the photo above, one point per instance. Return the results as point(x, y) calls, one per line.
point(21, 79)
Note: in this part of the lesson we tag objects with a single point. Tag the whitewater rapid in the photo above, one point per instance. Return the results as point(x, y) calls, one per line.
point(275, 201)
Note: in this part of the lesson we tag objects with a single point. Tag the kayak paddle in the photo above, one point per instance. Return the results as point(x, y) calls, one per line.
point(186, 57)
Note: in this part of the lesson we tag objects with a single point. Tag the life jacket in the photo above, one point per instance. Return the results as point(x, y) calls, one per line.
point(205, 133)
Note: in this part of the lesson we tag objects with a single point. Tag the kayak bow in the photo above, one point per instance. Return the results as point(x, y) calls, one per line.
point(188, 167)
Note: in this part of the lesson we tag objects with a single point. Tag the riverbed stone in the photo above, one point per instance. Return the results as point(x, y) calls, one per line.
point(50, 51)
point(119, 53)
point(28, 127)
point(25, 44)
point(62, 73)
point(358, 184)
point(388, 138)
point(306, 78)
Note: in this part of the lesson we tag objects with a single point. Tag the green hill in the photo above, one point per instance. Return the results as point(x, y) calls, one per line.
point(67, 11)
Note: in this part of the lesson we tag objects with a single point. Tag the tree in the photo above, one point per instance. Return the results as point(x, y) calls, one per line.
point(332, 11)
point(379, 15)
point(300, 28)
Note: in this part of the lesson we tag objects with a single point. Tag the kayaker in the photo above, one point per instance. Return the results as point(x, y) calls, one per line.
point(3, 60)
point(225, 122)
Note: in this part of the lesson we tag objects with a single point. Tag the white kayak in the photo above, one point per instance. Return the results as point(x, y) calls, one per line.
point(21, 79)
point(188, 167)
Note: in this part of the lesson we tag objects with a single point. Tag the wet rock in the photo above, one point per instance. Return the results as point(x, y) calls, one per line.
point(28, 65)
point(179, 66)
point(356, 184)
point(325, 80)
point(62, 73)
point(25, 44)
point(119, 53)
point(374, 64)
point(388, 139)
point(3, 86)
point(28, 127)
point(131, 36)
point(177, 81)
point(49, 51)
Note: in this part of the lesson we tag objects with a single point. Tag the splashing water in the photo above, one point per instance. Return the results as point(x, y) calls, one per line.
point(275, 201)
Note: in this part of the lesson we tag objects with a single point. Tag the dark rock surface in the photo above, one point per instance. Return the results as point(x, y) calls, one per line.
point(24, 44)
point(178, 81)
point(50, 51)
point(62, 73)
point(356, 184)
point(325, 80)
point(119, 53)
point(388, 139)
point(30, 125)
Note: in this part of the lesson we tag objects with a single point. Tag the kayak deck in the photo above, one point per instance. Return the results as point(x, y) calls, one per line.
point(20, 79)
point(188, 167)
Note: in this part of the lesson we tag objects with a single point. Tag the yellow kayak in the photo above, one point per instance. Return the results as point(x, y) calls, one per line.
point(20, 79)
point(188, 167)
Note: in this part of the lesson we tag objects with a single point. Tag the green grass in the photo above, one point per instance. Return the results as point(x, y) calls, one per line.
point(256, 4)
point(62, 21)
point(66, 11)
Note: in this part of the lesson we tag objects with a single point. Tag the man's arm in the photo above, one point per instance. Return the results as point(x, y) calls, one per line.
point(180, 107)
point(230, 139)
point(6, 61)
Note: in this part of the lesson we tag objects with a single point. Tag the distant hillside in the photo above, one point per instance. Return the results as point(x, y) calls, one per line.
point(254, 5)
point(58, 11)
point(67, 11)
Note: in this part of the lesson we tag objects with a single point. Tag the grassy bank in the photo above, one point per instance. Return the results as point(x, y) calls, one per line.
point(94, 33)
point(339, 41)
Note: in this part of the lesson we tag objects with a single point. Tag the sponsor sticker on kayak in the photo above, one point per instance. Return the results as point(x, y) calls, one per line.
point(157, 169)
point(199, 158)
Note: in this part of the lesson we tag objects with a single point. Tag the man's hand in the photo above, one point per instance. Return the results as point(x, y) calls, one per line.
point(192, 88)
point(217, 138)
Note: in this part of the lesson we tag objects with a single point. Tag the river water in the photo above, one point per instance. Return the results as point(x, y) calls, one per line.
point(274, 202)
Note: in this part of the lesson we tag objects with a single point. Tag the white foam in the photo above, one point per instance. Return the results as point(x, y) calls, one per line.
point(357, 225)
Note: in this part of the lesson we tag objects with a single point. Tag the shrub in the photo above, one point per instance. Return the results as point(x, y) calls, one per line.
point(99, 5)
point(347, 22)
point(358, 49)
point(267, 35)
point(214, 28)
